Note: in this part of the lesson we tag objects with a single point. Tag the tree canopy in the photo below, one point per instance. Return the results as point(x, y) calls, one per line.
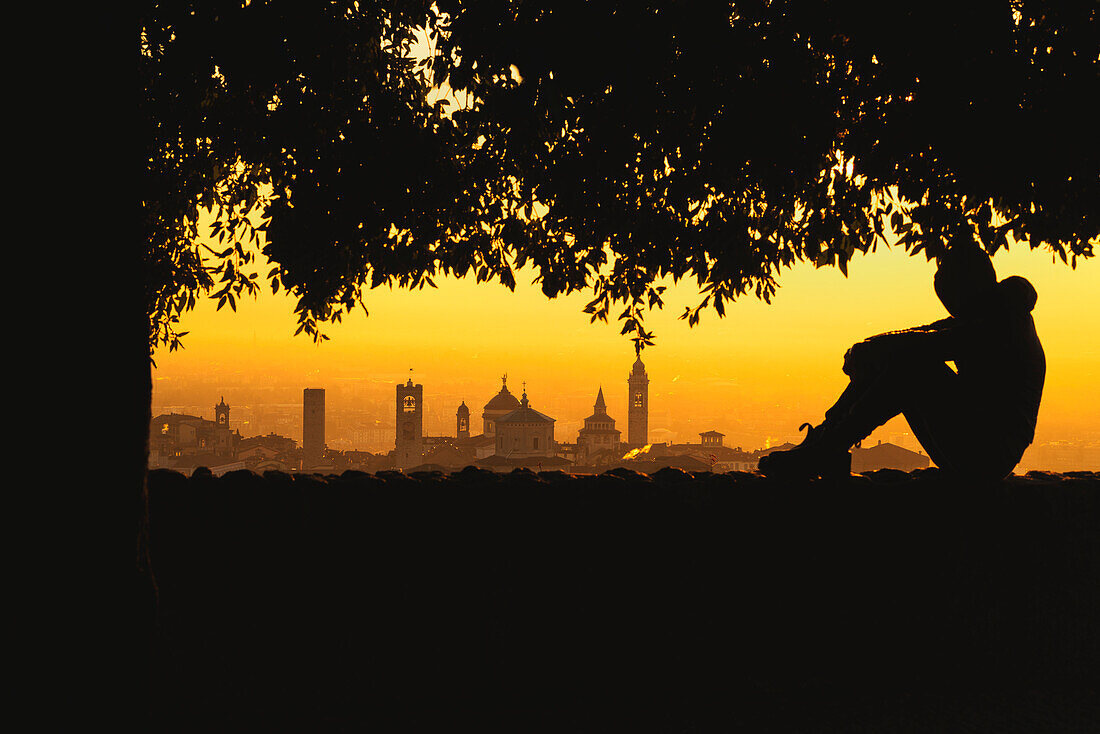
point(607, 144)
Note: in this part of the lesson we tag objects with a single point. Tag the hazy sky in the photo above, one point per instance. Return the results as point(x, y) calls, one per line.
point(754, 375)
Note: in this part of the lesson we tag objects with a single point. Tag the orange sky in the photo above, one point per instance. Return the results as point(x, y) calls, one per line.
point(754, 375)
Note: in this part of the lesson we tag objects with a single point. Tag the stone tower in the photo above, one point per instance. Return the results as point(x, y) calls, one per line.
point(313, 426)
point(637, 418)
point(221, 414)
point(409, 448)
point(462, 417)
point(222, 441)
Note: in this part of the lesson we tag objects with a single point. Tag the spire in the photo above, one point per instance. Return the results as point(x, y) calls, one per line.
point(601, 406)
point(523, 401)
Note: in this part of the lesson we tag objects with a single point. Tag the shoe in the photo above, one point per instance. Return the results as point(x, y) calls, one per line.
point(809, 460)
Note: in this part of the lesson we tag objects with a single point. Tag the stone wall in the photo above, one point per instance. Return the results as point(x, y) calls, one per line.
point(677, 602)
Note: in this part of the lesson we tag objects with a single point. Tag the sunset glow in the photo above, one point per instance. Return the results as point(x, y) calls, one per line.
point(754, 375)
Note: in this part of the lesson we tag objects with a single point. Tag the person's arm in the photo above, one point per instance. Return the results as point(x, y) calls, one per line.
point(949, 323)
point(939, 340)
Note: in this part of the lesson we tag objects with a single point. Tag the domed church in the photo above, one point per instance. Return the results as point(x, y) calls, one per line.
point(503, 403)
point(524, 432)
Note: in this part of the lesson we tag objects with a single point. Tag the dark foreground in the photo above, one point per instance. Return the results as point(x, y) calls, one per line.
point(900, 603)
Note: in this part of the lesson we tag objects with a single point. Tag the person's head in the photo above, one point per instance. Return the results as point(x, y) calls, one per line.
point(1016, 294)
point(965, 279)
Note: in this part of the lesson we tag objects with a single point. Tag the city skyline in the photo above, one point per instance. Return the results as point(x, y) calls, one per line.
point(513, 434)
point(367, 428)
point(439, 409)
point(730, 374)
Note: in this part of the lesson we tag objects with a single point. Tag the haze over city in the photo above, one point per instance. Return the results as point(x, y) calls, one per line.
point(755, 375)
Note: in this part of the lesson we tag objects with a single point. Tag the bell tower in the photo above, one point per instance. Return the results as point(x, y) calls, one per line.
point(221, 414)
point(637, 417)
point(409, 446)
point(462, 418)
point(221, 428)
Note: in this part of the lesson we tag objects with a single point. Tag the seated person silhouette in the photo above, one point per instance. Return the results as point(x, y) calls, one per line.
point(973, 423)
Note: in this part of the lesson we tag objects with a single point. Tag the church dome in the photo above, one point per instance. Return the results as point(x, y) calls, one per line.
point(524, 413)
point(503, 400)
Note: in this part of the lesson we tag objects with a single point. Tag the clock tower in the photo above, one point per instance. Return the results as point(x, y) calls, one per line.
point(637, 417)
point(409, 446)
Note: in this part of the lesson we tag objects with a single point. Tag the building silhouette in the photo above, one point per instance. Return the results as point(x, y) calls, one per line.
point(413, 451)
point(409, 446)
point(221, 414)
point(637, 417)
point(265, 447)
point(710, 454)
point(313, 426)
point(462, 421)
point(515, 434)
point(599, 441)
point(524, 433)
point(887, 456)
point(184, 441)
point(501, 404)
point(711, 438)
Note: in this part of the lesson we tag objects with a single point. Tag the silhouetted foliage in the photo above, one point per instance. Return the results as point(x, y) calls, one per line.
point(243, 103)
point(607, 144)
